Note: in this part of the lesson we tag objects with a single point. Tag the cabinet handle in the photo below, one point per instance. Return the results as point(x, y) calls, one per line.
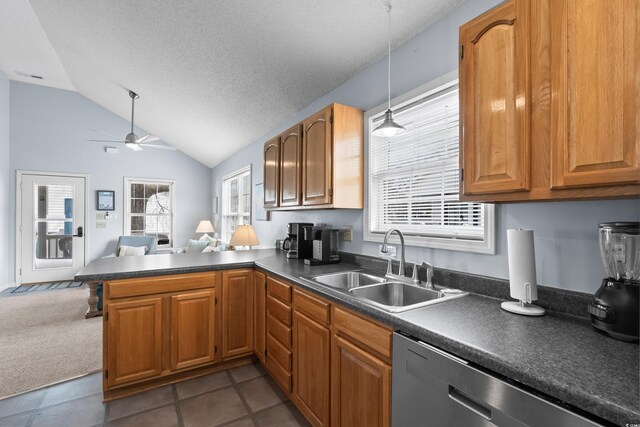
point(469, 403)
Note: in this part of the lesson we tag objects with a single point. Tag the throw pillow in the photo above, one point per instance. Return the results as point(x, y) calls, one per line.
point(132, 250)
point(196, 245)
point(207, 249)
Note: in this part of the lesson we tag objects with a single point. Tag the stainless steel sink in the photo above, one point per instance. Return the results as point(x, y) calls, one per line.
point(348, 279)
point(396, 296)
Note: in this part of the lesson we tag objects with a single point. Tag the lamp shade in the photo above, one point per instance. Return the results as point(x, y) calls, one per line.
point(389, 127)
point(205, 227)
point(244, 235)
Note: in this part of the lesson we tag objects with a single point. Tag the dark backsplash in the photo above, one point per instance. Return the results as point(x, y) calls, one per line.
point(562, 301)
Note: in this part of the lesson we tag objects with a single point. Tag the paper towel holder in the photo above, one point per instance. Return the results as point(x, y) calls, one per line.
point(523, 306)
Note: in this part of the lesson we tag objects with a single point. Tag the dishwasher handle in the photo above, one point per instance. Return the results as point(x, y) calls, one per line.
point(469, 403)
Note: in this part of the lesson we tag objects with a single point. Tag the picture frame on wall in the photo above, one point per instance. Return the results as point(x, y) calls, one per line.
point(105, 200)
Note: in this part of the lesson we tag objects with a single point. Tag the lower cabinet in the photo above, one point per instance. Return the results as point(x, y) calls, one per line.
point(360, 386)
point(192, 329)
point(260, 315)
point(134, 343)
point(311, 350)
point(334, 364)
point(237, 313)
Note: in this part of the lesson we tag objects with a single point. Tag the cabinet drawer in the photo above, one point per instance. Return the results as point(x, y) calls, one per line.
point(372, 335)
point(312, 306)
point(279, 353)
point(279, 289)
point(279, 374)
point(279, 310)
point(159, 284)
point(279, 331)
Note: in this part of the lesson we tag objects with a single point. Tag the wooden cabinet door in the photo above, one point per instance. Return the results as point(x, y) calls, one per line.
point(495, 101)
point(595, 107)
point(271, 173)
point(260, 315)
point(192, 329)
point(311, 362)
point(237, 313)
point(316, 159)
point(360, 387)
point(291, 167)
point(134, 342)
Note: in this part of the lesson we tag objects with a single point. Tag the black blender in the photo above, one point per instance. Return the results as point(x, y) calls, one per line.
point(614, 308)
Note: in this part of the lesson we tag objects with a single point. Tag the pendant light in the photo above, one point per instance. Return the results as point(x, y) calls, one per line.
point(389, 127)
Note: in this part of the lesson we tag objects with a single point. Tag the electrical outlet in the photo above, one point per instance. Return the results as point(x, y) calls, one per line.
point(101, 224)
point(391, 251)
point(346, 233)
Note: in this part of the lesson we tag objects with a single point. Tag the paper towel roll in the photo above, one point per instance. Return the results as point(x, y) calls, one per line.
point(522, 263)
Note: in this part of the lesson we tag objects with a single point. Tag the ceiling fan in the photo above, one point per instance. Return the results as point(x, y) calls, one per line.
point(131, 140)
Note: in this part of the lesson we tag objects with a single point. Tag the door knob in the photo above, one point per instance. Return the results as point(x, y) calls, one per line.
point(79, 233)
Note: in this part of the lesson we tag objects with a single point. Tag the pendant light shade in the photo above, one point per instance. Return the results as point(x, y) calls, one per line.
point(389, 127)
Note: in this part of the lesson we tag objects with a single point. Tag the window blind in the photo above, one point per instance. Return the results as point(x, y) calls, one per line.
point(413, 177)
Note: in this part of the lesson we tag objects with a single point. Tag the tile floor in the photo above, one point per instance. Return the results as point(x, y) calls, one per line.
point(239, 397)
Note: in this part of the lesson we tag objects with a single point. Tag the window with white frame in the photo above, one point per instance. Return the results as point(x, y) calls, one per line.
point(236, 201)
point(413, 178)
point(149, 209)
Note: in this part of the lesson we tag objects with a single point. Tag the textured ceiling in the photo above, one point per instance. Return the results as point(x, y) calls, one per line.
point(213, 76)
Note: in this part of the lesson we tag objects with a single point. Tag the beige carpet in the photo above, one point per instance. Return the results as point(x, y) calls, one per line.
point(44, 339)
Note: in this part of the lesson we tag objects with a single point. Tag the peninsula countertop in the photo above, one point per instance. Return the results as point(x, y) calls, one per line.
point(558, 355)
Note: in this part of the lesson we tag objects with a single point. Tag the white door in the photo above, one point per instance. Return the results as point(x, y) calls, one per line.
point(52, 227)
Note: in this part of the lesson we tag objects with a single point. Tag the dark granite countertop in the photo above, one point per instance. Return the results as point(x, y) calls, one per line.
point(559, 355)
point(108, 268)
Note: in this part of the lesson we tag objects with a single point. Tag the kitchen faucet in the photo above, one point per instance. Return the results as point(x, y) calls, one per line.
point(400, 276)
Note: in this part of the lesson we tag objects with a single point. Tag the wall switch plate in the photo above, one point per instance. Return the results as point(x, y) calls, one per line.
point(101, 224)
point(346, 233)
point(391, 251)
point(101, 216)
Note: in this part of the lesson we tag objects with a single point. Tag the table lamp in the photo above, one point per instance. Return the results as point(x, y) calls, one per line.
point(244, 235)
point(205, 227)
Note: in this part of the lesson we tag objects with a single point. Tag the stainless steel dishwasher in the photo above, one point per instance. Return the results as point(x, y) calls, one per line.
point(434, 388)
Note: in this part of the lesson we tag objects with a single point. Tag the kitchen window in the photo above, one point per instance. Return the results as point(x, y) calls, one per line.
point(149, 209)
point(412, 180)
point(236, 201)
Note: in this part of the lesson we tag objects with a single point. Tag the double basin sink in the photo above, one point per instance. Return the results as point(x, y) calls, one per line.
point(387, 294)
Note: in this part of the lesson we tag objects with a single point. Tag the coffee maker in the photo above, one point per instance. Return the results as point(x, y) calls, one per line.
point(325, 245)
point(295, 245)
point(614, 308)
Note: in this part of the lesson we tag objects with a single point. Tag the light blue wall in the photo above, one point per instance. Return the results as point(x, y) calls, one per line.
point(4, 180)
point(49, 129)
point(567, 254)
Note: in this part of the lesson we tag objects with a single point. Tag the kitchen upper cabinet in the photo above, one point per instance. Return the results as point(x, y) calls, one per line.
point(494, 80)
point(321, 162)
point(596, 92)
point(192, 329)
point(550, 104)
point(260, 315)
point(291, 167)
point(134, 340)
point(317, 156)
point(272, 173)
point(237, 313)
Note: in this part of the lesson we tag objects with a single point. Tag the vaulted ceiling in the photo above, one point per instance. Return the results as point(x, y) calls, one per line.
point(213, 76)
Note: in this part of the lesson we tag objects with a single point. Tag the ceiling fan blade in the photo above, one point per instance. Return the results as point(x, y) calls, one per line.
point(161, 147)
point(106, 140)
point(103, 133)
point(134, 146)
point(147, 138)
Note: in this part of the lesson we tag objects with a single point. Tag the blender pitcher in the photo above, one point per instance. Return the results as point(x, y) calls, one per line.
point(614, 308)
